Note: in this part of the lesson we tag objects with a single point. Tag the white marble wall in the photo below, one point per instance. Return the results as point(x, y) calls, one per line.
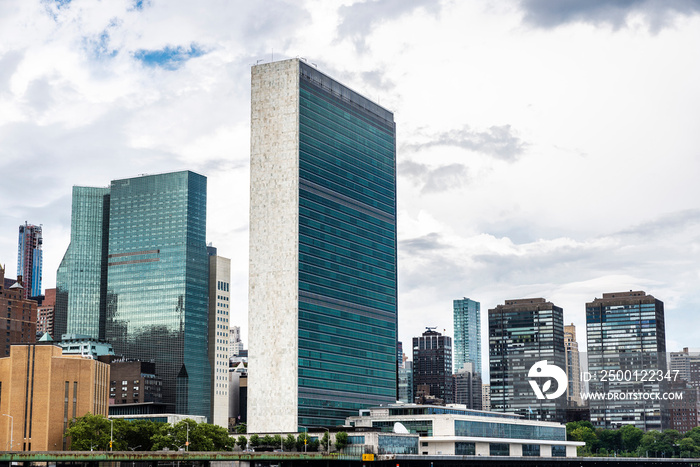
point(274, 235)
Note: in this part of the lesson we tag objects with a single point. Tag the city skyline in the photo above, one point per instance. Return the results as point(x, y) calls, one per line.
point(522, 146)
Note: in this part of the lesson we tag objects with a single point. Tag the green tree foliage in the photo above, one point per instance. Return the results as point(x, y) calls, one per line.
point(325, 441)
point(630, 437)
point(290, 442)
point(277, 441)
point(241, 428)
point(341, 440)
point(610, 440)
point(254, 441)
point(90, 433)
point(242, 442)
point(302, 442)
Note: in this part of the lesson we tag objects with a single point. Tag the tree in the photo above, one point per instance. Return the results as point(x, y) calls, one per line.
point(630, 437)
point(290, 442)
point(341, 440)
point(254, 440)
point(325, 441)
point(610, 440)
point(588, 436)
point(242, 442)
point(302, 441)
point(277, 441)
point(90, 432)
point(688, 448)
point(241, 428)
point(138, 433)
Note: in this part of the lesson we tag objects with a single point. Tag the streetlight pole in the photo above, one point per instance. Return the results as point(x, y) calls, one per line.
point(12, 430)
point(187, 443)
point(111, 435)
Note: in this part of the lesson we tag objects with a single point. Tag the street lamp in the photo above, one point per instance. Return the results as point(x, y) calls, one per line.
point(12, 430)
point(111, 435)
point(187, 443)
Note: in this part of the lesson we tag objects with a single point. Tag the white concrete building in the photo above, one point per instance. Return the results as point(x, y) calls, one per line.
point(451, 430)
point(219, 318)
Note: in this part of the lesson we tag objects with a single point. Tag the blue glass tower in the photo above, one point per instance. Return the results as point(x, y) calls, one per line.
point(137, 274)
point(323, 315)
point(29, 259)
point(81, 279)
point(158, 282)
point(467, 341)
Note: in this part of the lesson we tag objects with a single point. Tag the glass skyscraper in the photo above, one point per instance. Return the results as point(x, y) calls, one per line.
point(626, 337)
point(81, 279)
point(521, 333)
point(138, 249)
point(467, 340)
point(323, 315)
point(29, 259)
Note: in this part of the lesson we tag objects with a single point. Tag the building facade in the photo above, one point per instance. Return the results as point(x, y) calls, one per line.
point(219, 334)
point(467, 338)
point(29, 259)
point(406, 383)
point(17, 316)
point(42, 390)
point(522, 333)
point(81, 278)
point(136, 273)
point(322, 285)
point(486, 397)
point(45, 313)
point(432, 365)
point(626, 332)
point(467, 387)
point(573, 367)
point(452, 430)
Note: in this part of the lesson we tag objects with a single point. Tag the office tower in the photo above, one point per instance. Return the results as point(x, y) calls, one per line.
point(467, 326)
point(29, 259)
point(467, 387)
point(17, 316)
point(432, 364)
point(573, 367)
point(626, 332)
point(81, 278)
point(136, 273)
point(42, 391)
point(406, 383)
point(134, 387)
point(521, 333)
point(322, 288)
point(157, 282)
point(45, 313)
point(219, 333)
point(485, 397)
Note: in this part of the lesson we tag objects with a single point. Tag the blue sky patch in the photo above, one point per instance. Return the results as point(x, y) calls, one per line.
point(170, 58)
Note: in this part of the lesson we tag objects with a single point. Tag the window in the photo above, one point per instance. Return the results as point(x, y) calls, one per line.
point(531, 450)
point(499, 449)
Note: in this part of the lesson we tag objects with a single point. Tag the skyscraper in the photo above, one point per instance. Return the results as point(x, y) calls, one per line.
point(521, 333)
point(467, 342)
point(626, 332)
point(322, 288)
point(219, 333)
point(81, 279)
point(573, 367)
point(136, 273)
point(432, 364)
point(29, 260)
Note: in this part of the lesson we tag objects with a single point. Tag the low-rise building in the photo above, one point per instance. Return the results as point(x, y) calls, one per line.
point(41, 390)
point(450, 430)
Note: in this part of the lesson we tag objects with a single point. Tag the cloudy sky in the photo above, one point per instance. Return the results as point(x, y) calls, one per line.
point(546, 148)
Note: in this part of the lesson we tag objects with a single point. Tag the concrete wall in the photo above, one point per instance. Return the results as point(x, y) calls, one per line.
point(274, 235)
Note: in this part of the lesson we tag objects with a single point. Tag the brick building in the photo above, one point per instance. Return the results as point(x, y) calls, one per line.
point(17, 316)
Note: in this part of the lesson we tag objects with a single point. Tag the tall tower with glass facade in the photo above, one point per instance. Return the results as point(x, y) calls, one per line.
point(467, 339)
point(322, 286)
point(137, 274)
point(29, 259)
point(626, 335)
point(521, 333)
point(81, 278)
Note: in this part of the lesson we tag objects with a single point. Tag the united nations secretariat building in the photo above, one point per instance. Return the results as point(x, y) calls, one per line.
point(450, 430)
